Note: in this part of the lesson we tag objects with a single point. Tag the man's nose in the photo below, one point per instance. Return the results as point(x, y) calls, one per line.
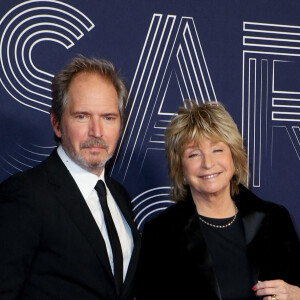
point(95, 127)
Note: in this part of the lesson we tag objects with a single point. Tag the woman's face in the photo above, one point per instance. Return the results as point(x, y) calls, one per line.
point(208, 168)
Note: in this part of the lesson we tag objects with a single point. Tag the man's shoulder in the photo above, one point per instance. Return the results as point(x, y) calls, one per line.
point(28, 179)
point(24, 178)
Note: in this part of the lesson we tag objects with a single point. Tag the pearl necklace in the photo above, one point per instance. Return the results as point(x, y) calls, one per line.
point(221, 226)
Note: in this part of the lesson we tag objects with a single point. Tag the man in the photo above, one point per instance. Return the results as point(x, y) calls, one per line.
point(58, 241)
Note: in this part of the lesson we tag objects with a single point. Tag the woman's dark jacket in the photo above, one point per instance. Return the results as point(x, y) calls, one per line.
point(175, 262)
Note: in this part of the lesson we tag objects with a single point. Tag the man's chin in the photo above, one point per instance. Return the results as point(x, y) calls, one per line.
point(90, 160)
point(93, 163)
point(96, 163)
point(92, 167)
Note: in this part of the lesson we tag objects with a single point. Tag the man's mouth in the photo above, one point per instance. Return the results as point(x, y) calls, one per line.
point(94, 144)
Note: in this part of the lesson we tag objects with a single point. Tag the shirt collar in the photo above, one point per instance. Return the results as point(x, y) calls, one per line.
point(84, 179)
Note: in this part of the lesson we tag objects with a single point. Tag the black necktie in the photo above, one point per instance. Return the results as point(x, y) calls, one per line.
point(112, 234)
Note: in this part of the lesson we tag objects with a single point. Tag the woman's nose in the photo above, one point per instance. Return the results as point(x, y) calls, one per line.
point(207, 161)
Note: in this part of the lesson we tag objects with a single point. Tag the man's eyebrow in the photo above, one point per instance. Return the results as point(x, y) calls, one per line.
point(110, 114)
point(76, 112)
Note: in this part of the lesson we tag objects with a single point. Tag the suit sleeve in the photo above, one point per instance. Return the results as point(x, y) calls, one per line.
point(153, 270)
point(291, 242)
point(19, 237)
point(146, 266)
point(282, 259)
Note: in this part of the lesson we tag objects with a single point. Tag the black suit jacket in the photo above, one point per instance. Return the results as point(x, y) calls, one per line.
point(51, 247)
point(176, 264)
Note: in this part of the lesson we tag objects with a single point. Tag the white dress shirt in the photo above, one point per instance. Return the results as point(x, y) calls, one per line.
point(86, 182)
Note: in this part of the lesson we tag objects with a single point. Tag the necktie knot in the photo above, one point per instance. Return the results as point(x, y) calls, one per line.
point(100, 188)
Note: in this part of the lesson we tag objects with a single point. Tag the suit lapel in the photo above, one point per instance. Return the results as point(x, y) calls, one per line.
point(70, 197)
point(121, 201)
point(254, 222)
point(197, 250)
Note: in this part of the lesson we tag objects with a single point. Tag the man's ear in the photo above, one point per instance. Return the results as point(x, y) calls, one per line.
point(55, 125)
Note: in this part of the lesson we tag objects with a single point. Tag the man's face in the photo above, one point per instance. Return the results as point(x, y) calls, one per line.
point(90, 125)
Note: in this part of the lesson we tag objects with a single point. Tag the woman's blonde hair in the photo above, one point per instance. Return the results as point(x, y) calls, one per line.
point(210, 120)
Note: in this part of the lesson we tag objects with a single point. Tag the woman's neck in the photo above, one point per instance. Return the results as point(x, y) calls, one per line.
point(213, 206)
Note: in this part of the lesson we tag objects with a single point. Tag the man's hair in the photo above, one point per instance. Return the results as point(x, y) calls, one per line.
point(62, 80)
point(191, 124)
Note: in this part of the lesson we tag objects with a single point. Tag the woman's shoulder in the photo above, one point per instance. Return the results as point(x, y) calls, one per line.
point(174, 216)
point(247, 200)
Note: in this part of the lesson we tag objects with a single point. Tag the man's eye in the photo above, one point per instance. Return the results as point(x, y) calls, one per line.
point(81, 117)
point(109, 118)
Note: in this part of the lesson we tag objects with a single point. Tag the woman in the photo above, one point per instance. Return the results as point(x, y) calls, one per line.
point(219, 241)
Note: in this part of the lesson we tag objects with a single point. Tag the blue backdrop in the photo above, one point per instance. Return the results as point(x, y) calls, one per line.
point(245, 54)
